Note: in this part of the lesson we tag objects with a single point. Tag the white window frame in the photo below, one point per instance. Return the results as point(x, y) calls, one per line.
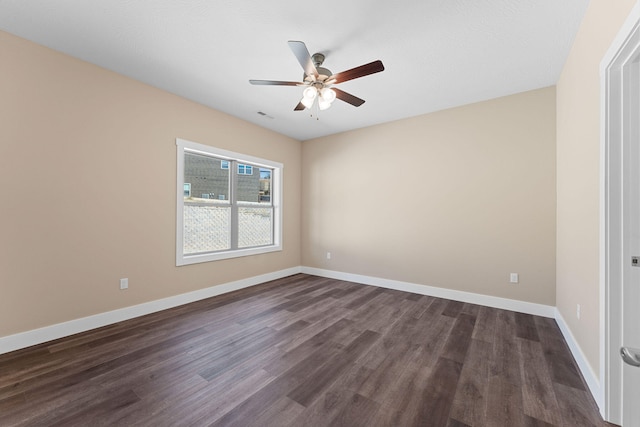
point(276, 200)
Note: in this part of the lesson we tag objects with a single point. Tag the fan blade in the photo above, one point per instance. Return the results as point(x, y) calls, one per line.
point(299, 107)
point(361, 71)
point(348, 98)
point(274, 83)
point(301, 52)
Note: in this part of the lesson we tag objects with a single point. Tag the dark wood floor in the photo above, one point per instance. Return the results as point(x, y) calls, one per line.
point(304, 351)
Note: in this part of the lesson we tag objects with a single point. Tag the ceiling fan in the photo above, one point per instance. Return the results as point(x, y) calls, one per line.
point(319, 81)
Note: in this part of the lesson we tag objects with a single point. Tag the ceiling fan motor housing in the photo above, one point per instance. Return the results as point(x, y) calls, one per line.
point(324, 71)
point(323, 74)
point(318, 59)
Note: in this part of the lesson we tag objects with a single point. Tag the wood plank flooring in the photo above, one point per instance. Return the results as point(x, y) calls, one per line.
point(304, 351)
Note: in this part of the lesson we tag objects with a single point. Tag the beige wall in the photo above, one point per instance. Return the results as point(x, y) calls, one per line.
point(88, 171)
point(456, 199)
point(578, 140)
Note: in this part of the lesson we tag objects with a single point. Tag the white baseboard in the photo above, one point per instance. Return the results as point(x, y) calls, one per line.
point(489, 301)
point(587, 372)
point(48, 333)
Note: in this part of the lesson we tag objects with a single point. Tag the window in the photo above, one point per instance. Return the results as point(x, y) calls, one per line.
point(242, 168)
point(224, 209)
point(245, 169)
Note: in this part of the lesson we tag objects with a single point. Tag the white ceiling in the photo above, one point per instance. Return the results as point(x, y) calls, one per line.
point(437, 53)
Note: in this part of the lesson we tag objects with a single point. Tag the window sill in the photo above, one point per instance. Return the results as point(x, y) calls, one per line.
point(217, 256)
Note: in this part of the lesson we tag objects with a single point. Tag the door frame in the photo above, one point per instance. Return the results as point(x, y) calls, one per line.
point(620, 53)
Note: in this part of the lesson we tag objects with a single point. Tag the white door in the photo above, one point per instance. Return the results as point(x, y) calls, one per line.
point(630, 351)
point(620, 224)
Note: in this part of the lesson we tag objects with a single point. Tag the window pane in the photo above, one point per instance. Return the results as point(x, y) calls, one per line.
point(255, 187)
point(248, 189)
point(255, 226)
point(265, 185)
point(206, 228)
point(207, 178)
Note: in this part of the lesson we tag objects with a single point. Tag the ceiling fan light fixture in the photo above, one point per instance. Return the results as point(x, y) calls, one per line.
point(307, 102)
point(310, 93)
point(323, 103)
point(328, 95)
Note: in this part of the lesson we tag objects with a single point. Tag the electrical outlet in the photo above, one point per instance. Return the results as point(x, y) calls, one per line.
point(124, 283)
point(328, 255)
point(578, 311)
point(513, 278)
